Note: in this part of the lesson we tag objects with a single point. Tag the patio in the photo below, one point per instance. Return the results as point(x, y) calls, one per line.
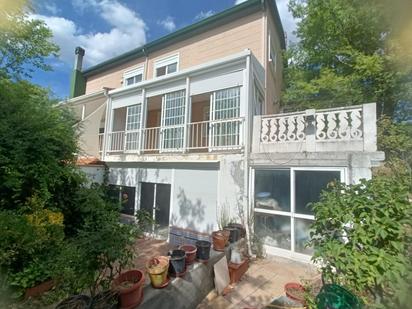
point(264, 280)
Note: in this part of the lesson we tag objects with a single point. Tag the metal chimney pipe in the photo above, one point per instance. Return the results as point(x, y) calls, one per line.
point(78, 60)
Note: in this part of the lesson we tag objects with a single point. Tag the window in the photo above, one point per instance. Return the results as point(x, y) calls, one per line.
point(133, 77)
point(167, 65)
point(173, 118)
point(259, 101)
point(133, 127)
point(272, 53)
point(225, 110)
point(282, 204)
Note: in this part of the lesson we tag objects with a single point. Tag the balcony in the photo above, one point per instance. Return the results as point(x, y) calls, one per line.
point(203, 136)
point(329, 130)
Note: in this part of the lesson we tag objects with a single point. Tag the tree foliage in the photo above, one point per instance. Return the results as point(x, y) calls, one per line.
point(37, 147)
point(24, 42)
point(349, 52)
point(362, 239)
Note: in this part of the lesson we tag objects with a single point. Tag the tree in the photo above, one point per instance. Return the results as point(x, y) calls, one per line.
point(38, 143)
point(24, 42)
point(349, 52)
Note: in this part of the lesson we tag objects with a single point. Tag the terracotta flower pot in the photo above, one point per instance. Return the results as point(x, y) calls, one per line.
point(190, 253)
point(130, 288)
point(220, 239)
point(157, 268)
point(236, 271)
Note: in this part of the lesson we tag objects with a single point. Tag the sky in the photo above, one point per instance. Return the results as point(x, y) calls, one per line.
point(107, 28)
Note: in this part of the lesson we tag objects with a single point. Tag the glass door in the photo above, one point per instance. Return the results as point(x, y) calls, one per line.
point(224, 115)
point(155, 199)
point(173, 120)
point(283, 214)
point(133, 118)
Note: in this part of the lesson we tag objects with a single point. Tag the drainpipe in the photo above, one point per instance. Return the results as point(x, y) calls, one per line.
point(246, 156)
point(77, 81)
point(106, 122)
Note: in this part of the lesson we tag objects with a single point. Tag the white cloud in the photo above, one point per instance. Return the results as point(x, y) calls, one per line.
point(128, 31)
point(203, 14)
point(51, 8)
point(239, 1)
point(168, 23)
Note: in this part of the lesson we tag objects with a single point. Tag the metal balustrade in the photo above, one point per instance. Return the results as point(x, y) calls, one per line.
point(205, 135)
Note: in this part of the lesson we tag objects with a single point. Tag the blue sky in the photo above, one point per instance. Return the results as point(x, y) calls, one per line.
point(106, 28)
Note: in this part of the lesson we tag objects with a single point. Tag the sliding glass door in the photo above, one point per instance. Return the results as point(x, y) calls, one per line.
point(283, 198)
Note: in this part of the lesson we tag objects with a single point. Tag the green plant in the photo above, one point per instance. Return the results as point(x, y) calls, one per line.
point(361, 237)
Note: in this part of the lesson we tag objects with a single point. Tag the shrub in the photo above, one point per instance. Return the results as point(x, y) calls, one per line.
point(361, 237)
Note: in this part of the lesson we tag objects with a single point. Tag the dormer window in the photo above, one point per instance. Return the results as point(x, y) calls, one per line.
point(132, 77)
point(167, 65)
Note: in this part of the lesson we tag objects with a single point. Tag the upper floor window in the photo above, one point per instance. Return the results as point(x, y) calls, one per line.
point(272, 53)
point(167, 65)
point(132, 77)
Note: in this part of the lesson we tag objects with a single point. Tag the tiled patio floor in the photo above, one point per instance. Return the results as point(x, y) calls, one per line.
point(264, 280)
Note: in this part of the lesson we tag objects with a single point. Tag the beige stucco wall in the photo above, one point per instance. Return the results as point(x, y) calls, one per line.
point(234, 37)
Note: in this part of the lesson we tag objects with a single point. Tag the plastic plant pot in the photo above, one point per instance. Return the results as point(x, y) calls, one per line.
point(190, 253)
point(177, 263)
point(157, 268)
point(333, 296)
point(234, 233)
point(203, 250)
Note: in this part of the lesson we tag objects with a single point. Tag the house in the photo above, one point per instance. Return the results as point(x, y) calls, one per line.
point(190, 129)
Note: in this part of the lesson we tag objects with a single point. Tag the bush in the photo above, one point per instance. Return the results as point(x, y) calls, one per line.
point(361, 237)
point(100, 250)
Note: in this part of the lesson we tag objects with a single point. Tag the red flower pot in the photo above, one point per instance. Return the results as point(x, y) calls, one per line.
point(190, 253)
point(130, 288)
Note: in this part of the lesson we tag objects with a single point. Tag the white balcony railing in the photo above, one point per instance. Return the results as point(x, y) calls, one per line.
point(214, 135)
point(339, 129)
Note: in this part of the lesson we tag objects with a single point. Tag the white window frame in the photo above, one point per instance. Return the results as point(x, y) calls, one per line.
point(165, 62)
point(132, 135)
point(272, 55)
point(133, 73)
point(291, 214)
point(174, 113)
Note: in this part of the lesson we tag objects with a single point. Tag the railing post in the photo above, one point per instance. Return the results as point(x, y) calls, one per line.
point(187, 115)
point(369, 127)
point(143, 117)
point(310, 130)
point(257, 131)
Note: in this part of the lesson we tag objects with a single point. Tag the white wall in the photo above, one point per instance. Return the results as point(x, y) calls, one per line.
point(94, 174)
point(193, 190)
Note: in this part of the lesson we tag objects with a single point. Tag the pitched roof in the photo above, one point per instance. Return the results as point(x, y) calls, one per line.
point(213, 21)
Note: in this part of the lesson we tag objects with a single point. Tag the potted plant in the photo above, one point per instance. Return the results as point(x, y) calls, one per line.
point(157, 269)
point(129, 285)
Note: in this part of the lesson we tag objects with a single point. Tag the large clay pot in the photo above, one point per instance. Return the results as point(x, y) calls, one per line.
point(203, 250)
point(157, 268)
point(190, 253)
point(177, 263)
point(220, 239)
point(130, 288)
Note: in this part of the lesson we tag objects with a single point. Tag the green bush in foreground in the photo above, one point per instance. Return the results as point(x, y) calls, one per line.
point(361, 237)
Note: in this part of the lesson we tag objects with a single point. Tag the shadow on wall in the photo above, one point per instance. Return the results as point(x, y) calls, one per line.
point(191, 213)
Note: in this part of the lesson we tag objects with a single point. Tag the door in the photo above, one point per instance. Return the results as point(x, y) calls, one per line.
point(224, 116)
point(155, 198)
point(133, 118)
point(173, 121)
point(283, 212)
